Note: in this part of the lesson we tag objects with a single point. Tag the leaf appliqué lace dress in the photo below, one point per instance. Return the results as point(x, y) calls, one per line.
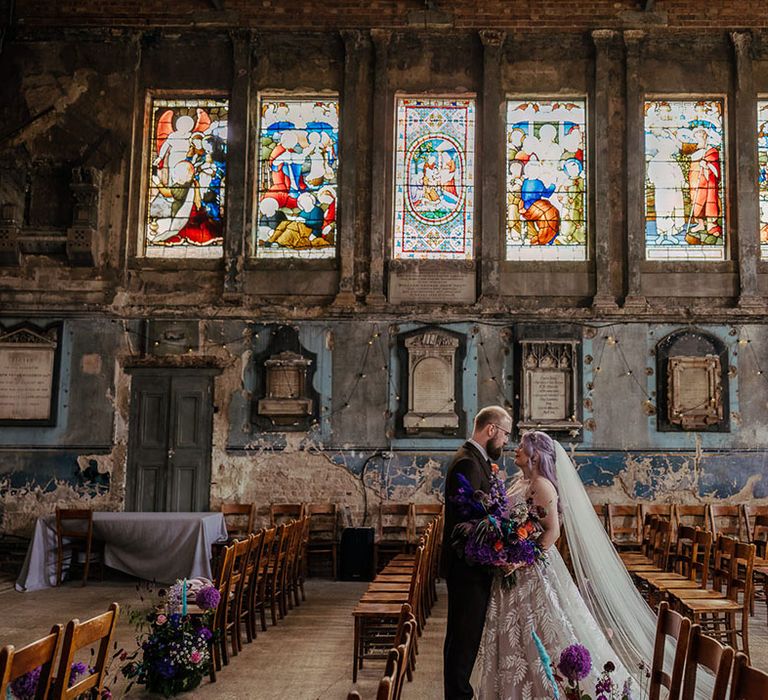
point(544, 600)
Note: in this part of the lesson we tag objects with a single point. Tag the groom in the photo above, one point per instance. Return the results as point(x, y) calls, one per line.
point(468, 587)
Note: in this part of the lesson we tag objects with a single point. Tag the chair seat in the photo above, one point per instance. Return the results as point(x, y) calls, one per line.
point(384, 597)
point(696, 594)
point(713, 605)
point(377, 610)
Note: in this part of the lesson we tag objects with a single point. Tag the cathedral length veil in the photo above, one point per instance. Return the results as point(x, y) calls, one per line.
point(603, 581)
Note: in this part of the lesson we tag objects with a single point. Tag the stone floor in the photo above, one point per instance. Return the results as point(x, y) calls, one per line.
point(308, 656)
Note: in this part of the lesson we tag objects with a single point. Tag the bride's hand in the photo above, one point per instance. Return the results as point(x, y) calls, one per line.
point(511, 568)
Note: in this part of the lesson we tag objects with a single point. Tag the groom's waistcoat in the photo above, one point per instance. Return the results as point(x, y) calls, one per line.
point(469, 462)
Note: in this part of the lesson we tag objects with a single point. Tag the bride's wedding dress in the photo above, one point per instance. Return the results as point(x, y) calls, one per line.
point(602, 609)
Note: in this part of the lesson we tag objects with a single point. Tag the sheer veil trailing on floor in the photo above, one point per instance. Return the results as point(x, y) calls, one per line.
point(606, 587)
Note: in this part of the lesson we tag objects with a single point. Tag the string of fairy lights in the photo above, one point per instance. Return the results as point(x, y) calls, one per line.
point(377, 358)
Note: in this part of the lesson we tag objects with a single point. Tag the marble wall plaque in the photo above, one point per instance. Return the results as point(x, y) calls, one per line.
point(695, 391)
point(548, 395)
point(27, 370)
point(431, 382)
point(432, 286)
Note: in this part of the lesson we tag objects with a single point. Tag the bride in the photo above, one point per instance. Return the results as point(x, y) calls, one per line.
point(605, 613)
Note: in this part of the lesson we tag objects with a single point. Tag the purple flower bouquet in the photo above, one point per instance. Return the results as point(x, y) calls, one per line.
point(494, 534)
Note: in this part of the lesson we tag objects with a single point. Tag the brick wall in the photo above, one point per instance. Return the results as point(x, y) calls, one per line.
point(292, 15)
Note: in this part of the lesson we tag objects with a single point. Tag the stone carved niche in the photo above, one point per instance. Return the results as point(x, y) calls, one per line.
point(431, 383)
point(692, 382)
point(695, 392)
point(550, 382)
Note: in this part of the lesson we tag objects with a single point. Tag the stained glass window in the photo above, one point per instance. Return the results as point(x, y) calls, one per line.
point(762, 157)
point(434, 179)
point(546, 197)
point(684, 180)
point(187, 178)
point(298, 167)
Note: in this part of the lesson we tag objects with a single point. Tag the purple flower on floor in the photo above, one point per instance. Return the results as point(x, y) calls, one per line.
point(208, 597)
point(626, 691)
point(25, 687)
point(575, 662)
point(77, 669)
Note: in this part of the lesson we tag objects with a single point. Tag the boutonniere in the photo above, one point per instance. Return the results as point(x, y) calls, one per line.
point(494, 467)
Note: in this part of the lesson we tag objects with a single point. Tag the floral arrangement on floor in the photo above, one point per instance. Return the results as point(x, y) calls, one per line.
point(174, 645)
point(494, 534)
point(574, 666)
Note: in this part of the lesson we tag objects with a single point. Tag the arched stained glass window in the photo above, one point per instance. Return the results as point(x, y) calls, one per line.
point(546, 197)
point(684, 180)
point(187, 176)
point(434, 179)
point(298, 174)
point(762, 159)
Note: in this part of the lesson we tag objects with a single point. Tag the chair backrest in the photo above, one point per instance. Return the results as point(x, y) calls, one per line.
point(742, 567)
point(750, 513)
point(662, 543)
point(727, 520)
point(624, 523)
point(686, 550)
point(674, 625)
point(240, 556)
point(74, 523)
point(77, 636)
point(747, 683)
point(14, 663)
point(760, 533)
point(695, 515)
point(324, 522)
point(422, 514)
point(722, 569)
point(388, 682)
point(395, 522)
point(239, 518)
point(403, 657)
point(707, 652)
point(283, 512)
point(601, 511)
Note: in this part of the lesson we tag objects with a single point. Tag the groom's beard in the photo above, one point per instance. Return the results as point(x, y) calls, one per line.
point(492, 450)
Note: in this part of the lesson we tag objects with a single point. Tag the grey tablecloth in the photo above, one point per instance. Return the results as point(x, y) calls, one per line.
point(155, 546)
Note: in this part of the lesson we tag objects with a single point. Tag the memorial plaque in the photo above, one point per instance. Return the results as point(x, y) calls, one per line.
point(431, 382)
point(695, 391)
point(548, 395)
point(454, 286)
point(27, 373)
point(549, 385)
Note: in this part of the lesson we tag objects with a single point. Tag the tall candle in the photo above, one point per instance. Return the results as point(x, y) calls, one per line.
point(184, 597)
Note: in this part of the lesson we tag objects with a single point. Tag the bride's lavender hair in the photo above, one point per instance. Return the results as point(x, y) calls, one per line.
point(544, 446)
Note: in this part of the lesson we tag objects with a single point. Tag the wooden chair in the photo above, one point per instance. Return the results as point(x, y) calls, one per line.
point(624, 523)
point(237, 580)
point(749, 514)
point(422, 514)
point(285, 512)
point(395, 532)
point(323, 539)
point(74, 532)
point(259, 591)
point(747, 683)
point(674, 625)
point(707, 652)
point(78, 635)
point(718, 613)
point(691, 566)
point(239, 519)
point(14, 663)
point(727, 520)
point(276, 573)
point(662, 542)
point(665, 511)
point(759, 537)
point(246, 615)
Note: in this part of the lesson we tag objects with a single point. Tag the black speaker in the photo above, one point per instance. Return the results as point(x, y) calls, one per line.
point(356, 554)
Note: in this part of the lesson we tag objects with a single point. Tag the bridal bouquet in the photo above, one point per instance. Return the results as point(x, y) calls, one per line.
point(495, 534)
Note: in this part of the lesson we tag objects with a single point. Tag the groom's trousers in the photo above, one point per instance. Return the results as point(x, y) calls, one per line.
point(468, 592)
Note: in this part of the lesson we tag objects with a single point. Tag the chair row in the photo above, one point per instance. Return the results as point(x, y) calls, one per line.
point(693, 650)
point(399, 666)
point(625, 522)
point(64, 643)
point(408, 578)
point(260, 571)
point(683, 579)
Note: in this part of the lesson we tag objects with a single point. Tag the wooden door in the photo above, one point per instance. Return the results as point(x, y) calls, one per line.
point(169, 446)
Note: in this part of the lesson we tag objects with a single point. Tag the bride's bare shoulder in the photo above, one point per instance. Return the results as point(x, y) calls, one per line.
point(543, 487)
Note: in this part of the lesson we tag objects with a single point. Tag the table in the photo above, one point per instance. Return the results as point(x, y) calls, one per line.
point(154, 546)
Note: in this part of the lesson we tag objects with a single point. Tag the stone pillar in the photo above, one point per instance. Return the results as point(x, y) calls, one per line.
point(10, 253)
point(635, 163)
point(492, 162)
point(237, 228)
point(382, 106)
point(606, 50)
point(355, 48)
point(746, 195)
